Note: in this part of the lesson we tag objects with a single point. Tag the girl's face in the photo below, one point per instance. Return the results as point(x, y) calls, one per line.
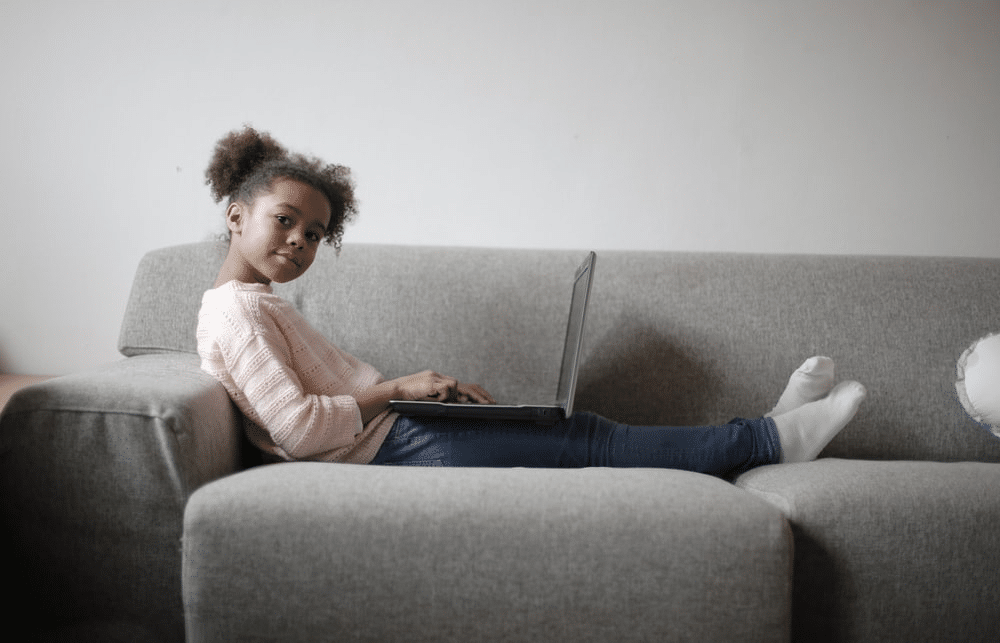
point(275, 238)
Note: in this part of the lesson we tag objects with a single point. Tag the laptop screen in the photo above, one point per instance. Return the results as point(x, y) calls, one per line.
point(574, 333)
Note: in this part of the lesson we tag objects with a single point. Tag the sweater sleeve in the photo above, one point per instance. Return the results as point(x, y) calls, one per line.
point(258, 373)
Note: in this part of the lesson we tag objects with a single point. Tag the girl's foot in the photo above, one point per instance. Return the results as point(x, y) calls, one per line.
point(812, 381)
point(806, 430)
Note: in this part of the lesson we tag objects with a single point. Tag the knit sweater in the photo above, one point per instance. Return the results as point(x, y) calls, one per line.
point(296, 390)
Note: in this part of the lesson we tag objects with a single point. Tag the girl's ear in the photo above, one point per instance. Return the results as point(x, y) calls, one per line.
point(235, 214)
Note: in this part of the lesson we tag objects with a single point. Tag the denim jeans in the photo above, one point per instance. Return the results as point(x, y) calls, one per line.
point(582, 440)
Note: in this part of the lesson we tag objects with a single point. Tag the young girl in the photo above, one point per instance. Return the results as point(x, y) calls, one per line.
point(305, 399)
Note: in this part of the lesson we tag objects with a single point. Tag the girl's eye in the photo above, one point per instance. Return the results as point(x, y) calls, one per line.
point(312, 236)
point(282, 219)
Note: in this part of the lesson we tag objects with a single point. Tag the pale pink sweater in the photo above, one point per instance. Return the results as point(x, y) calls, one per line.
point(294, 387)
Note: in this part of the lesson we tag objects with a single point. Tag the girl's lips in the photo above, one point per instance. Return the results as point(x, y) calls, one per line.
point(289, 258)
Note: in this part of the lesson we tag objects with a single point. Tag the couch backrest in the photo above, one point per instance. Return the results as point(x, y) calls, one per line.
point(673, 338)
point(162, 311)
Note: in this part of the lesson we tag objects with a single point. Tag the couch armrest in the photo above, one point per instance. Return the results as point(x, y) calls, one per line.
point(95, 471)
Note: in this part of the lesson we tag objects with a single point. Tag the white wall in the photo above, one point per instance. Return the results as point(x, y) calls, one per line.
point(774, 126)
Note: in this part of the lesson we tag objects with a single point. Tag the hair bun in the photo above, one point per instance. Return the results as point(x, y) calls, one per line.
point(236, 156)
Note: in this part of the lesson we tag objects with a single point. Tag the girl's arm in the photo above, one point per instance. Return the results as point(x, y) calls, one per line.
point(375, 399)
point(426, 385)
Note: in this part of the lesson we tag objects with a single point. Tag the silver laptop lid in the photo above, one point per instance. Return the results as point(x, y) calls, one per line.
point(566, 391)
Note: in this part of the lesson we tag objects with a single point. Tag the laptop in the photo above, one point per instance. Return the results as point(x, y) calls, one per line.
point(565, 392)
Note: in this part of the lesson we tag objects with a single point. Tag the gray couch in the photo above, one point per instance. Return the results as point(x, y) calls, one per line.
point(133, 509)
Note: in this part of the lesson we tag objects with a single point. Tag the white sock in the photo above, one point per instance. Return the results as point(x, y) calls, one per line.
point(812, 381)
point(805, 431)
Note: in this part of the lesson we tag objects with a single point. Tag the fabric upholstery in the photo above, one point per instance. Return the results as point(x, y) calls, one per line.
point(95, 470)
point(673, 338)
point(377, 553)
point(890, 551)
point(10, 384)
point(162, 311)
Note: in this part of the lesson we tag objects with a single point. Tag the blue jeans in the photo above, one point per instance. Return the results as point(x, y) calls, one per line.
point(583, 440)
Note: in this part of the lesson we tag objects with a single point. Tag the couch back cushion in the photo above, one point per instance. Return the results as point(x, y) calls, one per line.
point(162, 311)
point(673, 338)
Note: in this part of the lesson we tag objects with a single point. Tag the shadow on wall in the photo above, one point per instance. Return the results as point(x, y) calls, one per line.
point(4, 365)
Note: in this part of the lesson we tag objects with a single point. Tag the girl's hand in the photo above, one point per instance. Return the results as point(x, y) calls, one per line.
point(429, 385)
point(426, 385)
point(420, 386)
point(473, 393)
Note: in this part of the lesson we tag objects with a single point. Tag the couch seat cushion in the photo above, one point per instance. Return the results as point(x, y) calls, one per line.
point(312, 551)
point(890, 551)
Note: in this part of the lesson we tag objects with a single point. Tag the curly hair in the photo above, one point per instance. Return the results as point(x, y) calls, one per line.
point(247, 162)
